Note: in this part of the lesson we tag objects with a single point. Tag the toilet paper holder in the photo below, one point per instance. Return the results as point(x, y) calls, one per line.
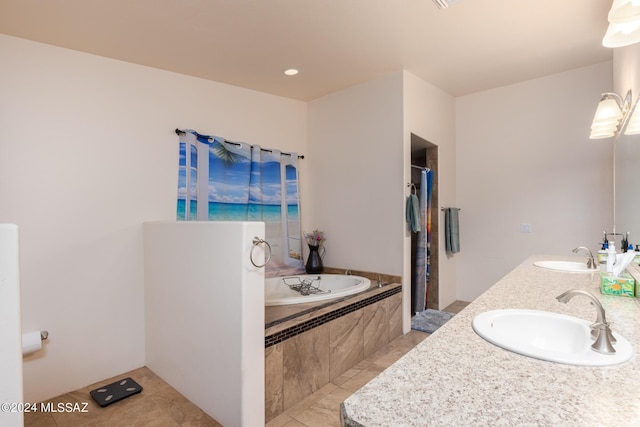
point(32, 341)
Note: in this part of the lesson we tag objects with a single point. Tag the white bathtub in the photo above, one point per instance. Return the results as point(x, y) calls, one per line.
point(278, 292)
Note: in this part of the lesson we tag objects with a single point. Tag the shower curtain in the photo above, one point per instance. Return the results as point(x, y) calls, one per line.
point(423, 252)
point(220, 180)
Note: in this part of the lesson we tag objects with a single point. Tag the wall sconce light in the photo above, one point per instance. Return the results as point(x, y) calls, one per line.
point(611, 112)
point(624, 24)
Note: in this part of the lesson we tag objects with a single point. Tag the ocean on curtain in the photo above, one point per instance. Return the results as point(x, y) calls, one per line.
point(220, 180)
point(423, 251)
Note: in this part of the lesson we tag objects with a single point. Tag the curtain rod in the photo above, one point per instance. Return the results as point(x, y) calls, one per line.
point(181, 132)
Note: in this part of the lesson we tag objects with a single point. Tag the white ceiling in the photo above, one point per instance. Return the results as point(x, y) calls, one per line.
point(474, 45)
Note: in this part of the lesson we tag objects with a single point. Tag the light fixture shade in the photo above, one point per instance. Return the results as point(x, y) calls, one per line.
point(608, 110)
point(603, 129)
point(619, 35)
point(601, 134)
point(633, 125)
point(624, 11)
point(633, 130)
point(606, 127)
point(607, 117)
point(624, 24)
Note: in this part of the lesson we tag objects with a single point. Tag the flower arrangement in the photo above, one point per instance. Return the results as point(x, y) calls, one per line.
point(315, 238)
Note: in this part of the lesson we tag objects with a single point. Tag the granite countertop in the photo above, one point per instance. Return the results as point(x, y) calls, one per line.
point(456, 378)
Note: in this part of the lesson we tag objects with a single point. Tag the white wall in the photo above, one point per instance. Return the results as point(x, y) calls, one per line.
point(204, 310)
point(523, 156)
point(626, 65)
point(360, 143)
point(10, 331)
point(430, 114)
point(87, 154)
point(356, 175)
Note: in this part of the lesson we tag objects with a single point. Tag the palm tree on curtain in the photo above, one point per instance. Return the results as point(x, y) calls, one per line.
point(224, 154)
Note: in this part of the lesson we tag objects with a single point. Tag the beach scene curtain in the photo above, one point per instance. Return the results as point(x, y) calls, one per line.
point(423, 251)
point(220, 180)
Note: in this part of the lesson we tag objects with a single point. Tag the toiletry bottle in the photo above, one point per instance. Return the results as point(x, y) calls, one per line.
point(624, 246)
point(602, 257)
point(636, 259)
point(602, 253)
point(611, 256)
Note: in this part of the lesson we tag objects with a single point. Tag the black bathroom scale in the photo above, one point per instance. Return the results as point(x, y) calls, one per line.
point(108, 394)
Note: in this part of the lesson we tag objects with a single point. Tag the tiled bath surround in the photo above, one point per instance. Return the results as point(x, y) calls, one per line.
point(307, 349)
point(321, 319)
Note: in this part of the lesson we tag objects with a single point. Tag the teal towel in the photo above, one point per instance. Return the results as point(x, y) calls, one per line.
point(413, 213)
point(451, 230)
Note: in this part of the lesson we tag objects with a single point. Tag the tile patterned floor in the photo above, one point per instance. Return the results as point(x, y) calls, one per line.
point(160, 405)
point(322, 409)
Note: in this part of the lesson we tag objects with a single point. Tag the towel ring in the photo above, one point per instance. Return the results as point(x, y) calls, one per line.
point(256, 242)
point(413, 190)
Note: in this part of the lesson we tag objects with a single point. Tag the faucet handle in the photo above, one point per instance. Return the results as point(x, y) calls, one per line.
point(598, 327)
point(603, 343)
point(612, 339)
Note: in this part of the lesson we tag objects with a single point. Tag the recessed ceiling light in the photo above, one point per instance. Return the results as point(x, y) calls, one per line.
point(443, 4)
point(291, 71)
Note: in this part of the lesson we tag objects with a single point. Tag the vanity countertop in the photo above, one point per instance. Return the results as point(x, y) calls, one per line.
point(456, 378)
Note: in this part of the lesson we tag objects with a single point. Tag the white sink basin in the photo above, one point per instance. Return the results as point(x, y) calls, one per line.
point(547, 336)
point(566, 266)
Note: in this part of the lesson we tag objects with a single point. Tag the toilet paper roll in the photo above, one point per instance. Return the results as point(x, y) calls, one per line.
point(31, 342)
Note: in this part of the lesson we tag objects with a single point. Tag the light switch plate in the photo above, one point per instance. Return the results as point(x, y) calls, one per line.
point(525, 228)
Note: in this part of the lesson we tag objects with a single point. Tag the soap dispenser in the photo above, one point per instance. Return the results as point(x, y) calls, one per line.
point(602, 256)
point(602, 253)
point(611, 256)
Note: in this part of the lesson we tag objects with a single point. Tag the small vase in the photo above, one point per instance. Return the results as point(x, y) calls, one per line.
point(314, 262)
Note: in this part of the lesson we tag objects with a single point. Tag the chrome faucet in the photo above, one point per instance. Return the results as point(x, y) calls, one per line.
point(591, 262)
point(600, 331)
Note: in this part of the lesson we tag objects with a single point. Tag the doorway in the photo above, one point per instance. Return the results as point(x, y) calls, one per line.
point(424, 154)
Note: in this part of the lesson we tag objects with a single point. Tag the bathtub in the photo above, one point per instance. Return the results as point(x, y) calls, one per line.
point(320, 287)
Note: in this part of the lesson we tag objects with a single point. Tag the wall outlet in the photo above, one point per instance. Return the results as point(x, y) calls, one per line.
point(525, 228)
